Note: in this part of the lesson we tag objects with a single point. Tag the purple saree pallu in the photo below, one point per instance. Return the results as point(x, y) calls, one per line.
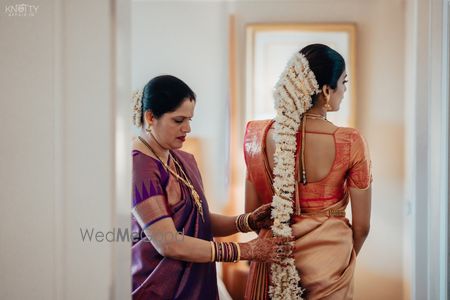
point(155, 276)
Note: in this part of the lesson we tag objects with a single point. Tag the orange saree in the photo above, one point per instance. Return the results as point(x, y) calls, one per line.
point(323, 251)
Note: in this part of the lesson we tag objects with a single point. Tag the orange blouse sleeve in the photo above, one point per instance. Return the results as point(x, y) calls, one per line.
point(360, 171)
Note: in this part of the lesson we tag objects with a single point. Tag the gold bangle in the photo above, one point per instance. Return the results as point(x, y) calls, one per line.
point(213, 252)
point(236, 222)
point(229, 253)
point(247, 225)
point(238, 258)
point(219, 254)
point(242, 224)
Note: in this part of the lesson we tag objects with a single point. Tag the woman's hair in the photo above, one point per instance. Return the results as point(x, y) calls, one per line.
point(326, 64)
point(164, 94)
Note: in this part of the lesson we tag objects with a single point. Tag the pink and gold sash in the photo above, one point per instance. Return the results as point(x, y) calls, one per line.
point(258, 172)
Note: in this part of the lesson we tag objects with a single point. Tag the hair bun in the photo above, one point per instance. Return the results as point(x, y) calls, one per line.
point(137, 108)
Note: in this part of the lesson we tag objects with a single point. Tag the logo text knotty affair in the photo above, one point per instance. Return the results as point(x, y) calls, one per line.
point(21, 10)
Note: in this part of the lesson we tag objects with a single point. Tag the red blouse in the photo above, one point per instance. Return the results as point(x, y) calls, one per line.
point(351, 167)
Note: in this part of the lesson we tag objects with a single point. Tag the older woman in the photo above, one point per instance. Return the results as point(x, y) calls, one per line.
point(309, 169)
point(174, 255)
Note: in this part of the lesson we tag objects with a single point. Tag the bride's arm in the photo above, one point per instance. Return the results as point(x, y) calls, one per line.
point(251, 198)
point(361, 202)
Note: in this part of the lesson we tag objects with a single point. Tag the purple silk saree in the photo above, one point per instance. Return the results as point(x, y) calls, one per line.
point(155, 276)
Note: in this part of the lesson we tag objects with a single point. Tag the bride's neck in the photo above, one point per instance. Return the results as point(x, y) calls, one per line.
point(317, 111)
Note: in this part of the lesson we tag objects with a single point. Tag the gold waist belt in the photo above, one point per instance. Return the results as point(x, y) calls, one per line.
point(325, 213)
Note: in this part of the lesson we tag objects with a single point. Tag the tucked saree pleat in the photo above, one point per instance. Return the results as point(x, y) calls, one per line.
point(324, 255)
point(258, 279)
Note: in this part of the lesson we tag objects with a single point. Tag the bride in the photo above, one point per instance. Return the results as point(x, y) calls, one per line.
point(309, 169)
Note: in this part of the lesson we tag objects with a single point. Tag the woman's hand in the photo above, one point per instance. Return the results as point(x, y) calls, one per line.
point(260, 218)
point(270, 250)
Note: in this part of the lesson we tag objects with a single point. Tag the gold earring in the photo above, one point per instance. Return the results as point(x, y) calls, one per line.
point(327, 106)
point(149, 128)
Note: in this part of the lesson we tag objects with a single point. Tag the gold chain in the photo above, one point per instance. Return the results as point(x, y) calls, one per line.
point(185, 180)
point(307, 116)
point(315, 116)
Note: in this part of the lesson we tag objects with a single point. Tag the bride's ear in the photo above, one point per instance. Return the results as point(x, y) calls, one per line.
point(326, 92)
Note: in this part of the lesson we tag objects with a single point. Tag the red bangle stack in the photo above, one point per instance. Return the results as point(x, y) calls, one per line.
point(242, 224)
point(225, 251)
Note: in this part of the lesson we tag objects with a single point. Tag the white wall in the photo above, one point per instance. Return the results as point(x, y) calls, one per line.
point(88, 146)
point(122, 257)
point(189, 40)
point(57, 150)
point(427, 182)
point(27, 166)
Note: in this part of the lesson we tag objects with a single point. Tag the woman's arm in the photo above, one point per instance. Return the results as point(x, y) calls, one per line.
point(361, 203)
point(164, 236)
point(223, 225)
point(257, 219)
point(170, 243)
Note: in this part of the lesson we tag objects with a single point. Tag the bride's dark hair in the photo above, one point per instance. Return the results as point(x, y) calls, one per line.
point(326, 63)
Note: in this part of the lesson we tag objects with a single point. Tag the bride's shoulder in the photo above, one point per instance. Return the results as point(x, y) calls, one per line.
point(259, 124)
point(258, 129)
point(352, 135)
point(347, 130)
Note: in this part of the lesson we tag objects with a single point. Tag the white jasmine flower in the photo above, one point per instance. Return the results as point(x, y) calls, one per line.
point(292, 99)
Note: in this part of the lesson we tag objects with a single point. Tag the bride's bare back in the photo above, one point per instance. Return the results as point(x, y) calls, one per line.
point(320, 150)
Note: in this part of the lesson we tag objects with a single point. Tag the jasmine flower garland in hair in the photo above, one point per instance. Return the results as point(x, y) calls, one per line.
point(137, 108)
point(292, 96)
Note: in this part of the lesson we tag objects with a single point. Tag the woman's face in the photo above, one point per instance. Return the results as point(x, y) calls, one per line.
point(172, 127)
point(337, 94)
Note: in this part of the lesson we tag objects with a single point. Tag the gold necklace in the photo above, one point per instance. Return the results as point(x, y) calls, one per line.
point(315, 116)
point(198, 201)
point(185, 180)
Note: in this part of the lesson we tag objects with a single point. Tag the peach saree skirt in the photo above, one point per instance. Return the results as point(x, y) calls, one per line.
point(324, 257)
